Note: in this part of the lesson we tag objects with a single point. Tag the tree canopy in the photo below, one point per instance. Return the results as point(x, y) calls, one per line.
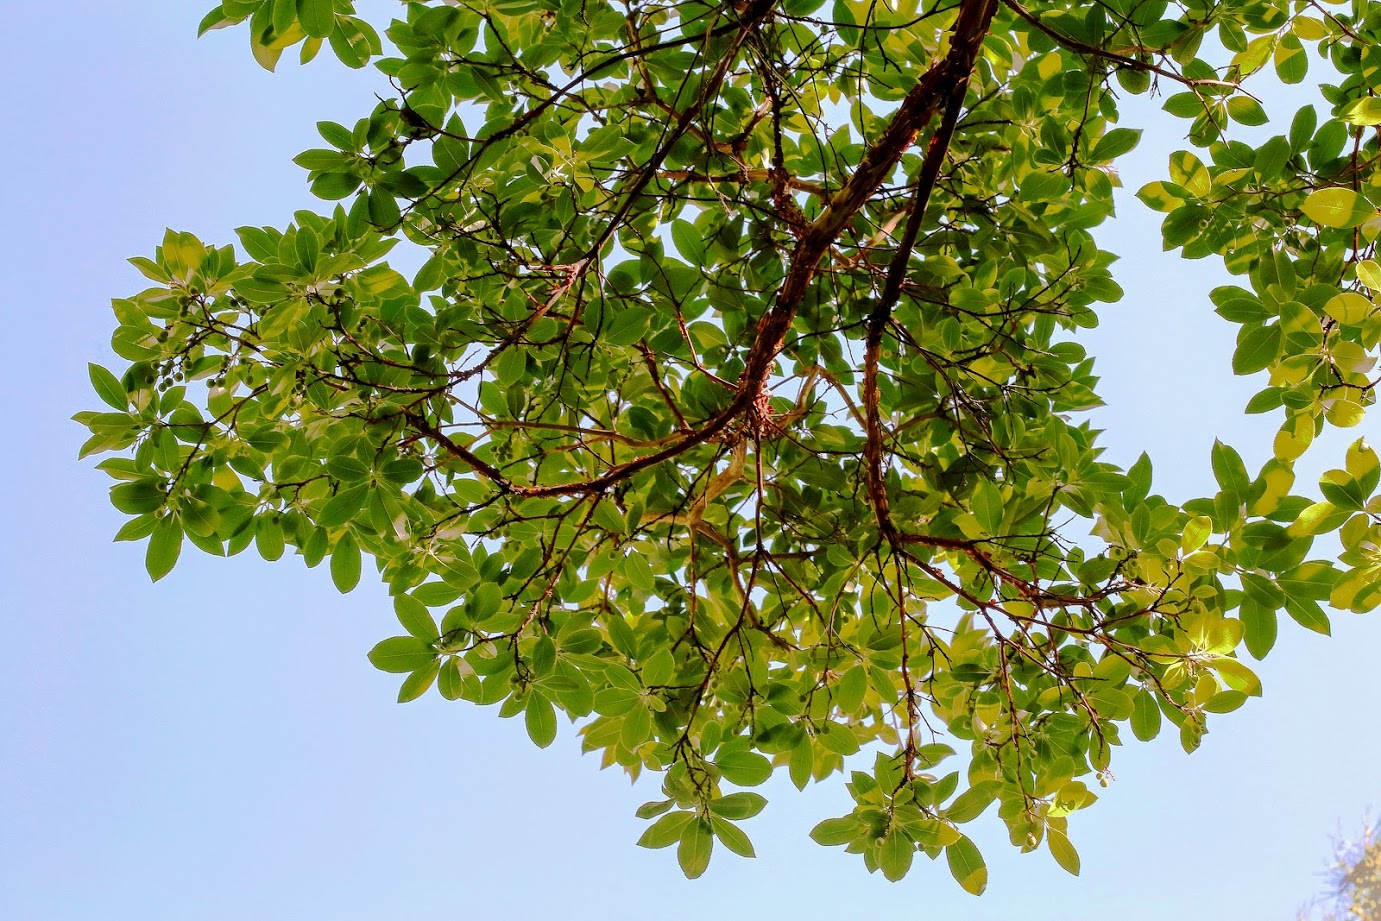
point(1354, 879)
point(735, 412)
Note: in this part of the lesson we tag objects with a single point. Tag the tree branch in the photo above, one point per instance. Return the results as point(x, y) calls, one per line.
point(926, 178)
point(1084, 48)
point(933, 90)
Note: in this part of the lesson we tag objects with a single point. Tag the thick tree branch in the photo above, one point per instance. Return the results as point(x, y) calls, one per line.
point(926, 178)
point(932, 91)
point(920, 104)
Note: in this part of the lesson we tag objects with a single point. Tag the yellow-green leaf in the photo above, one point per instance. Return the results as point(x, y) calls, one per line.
point(1145, 716)
point(834, 832)
point(1337, 207)
point(1189, 171)
point(415, 618)
point(540, 719)
point(732, 837)
point(401, 654)
point(165, 544)
point(345, 563)
point(1292, 64)
point(108, 387)
point(1062, 850)
point(693, 853)
point(895, 853)
point(317, 17)
point(966, 865)
point(742, 805)
point(970, 804)
point(1348, 308)
point(418, 682)
point(746, 769)
point(666, 831)
point(1196, 533)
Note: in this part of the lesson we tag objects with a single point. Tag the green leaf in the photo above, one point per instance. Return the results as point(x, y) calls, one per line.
point(540, 718)
point(1229, 470)
point(666, 831)
point(744, 768)
point(266, 57)
point(1349, 308)
point(449, 681)
point(732, 837)
point(1337, 207)
point(837, 738)
point(655, 808)
point(1114, 144)
point(1189, 172)
point(1255, 55)
point(928, 756)
point(216, 19)
point(418, 682)
point(1312, 519)
point(659, 668)
point(738, 806)
point(1196, 533)
point(165, 544)
point(1259, 625)
point(1345, 412)
point(1246, 111)
point(637, 727)
point(108, 387)
point(268, 537)
point(284, 16)
point(1145, 716)
point(415, 618)
point(693, 853)
point(1364, 465)
point(1225, 702)
point(1237, 675)
point(1063, 852)
point(688, 241)
point(1307, 613)
point(988, 507)
point(1257, 347)
point(334, 186)
point(1365, 111)
point(1339, 488)
point(510, 367)
point(437, 594)
point(895, 853)
point(972, 803)
point(345, 563)
point(343, 507)
point(834, 832)
point(382, 207)
point(1292, 64)
point(639, 572)
point(607, 516)
point(401, 654)
point(1162, 196)
point(966, 866)
point(317, 17)
point(136, 498)
point(628, 326)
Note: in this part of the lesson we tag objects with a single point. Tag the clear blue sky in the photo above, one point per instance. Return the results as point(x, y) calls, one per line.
point(217, 747)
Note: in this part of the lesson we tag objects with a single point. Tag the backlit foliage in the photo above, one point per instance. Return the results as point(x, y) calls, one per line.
point(735, 413)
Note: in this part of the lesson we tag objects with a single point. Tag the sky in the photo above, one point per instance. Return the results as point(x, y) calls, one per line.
point(216, 746)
